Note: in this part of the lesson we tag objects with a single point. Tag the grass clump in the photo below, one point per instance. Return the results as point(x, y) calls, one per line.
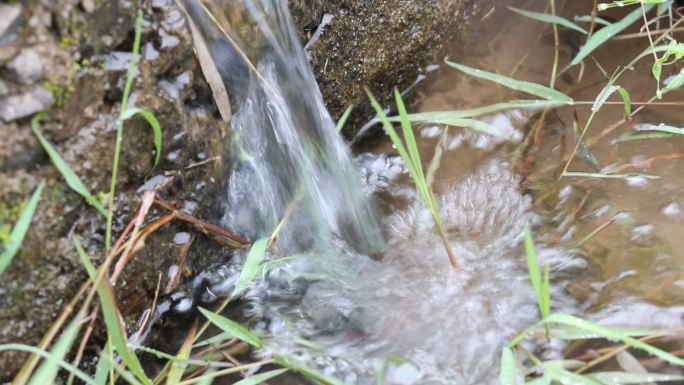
point(411, 157)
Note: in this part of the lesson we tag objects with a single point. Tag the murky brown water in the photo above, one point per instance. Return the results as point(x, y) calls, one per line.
point(642, 252)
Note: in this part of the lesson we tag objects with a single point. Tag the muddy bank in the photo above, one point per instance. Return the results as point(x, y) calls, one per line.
point(68, 59)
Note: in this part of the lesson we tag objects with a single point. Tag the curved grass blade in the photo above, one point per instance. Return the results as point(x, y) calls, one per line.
point(78, 373)
point(252, 264)
point(623, 3)
point(71, 178)
point(621, 378)
point(615, 334)
point(510, 374)
point(20, 229)
point(626, 101)
point(639, 136)
point(608, 32)
point(262, 377)
point(551, 19)
point(156, 129)
point(111, 317)
point(518, 85)
point(47, 371)
point(344, 118)
point(233, 328)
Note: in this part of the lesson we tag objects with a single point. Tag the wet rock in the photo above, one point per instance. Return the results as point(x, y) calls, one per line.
point(20, 106)
point(378, 44)
point(10, 25)
point(27, 67)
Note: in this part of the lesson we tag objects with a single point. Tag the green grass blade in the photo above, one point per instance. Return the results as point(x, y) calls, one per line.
point(563, 376)
point(47, 371)
point(428, 117)
point(606, 33)
point(614, 334)
point(103, 365)
point(412, 146)
point(564, 332)
point(252, 264)
point(675, 83)
point(624, 3)
point(20, 229)
point(262, 377)
point(71, 178)
point(308, 372)
point(662, 127)
point(546, 293)
point(392, 133)
point(518, 85)
point(509, 374)
point(344, 118)
point(156, 129)
point(626, 101)
point(621, 378)
point(179, 363)
point(543, 380)
point(111, 317)
point(588, 19)
point(630, 136)
point(63, 364)
point(233, 328)
point(607, 176)
point(533, 268)
point(551, 19)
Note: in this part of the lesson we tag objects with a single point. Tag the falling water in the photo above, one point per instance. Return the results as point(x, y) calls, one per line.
point(328, 304)
point(290, 163)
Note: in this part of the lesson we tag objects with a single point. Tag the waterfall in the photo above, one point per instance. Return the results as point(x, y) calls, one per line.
point(288, 159)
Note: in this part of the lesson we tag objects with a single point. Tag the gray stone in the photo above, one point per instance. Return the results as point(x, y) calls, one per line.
point(27, 67)
point(20, 106)
point(10, 21)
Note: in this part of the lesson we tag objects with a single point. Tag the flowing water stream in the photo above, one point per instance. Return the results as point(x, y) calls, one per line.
point(359, 280)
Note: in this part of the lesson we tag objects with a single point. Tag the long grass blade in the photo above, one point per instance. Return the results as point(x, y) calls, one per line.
point(308, 372)
point(233, 328)
point(608, 32)
point(179, 363)
point(262, 377)
point(509, 374)
point(156, 129)
point(69, 175)
point(344, 118)
point(111, 317)
point(252, 264)
point(20, 229)
point(518, 85)
point(551, 19)
point(614, 334)
point(443, 117)
point(607, 176)
point(39, 352)
point(623, 378)
point(47, 371)
point(535, 275)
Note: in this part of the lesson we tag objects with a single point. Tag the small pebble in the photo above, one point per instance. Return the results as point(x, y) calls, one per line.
point(181, 238)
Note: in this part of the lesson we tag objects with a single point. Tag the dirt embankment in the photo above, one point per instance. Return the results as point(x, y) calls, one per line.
point(68, 59)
